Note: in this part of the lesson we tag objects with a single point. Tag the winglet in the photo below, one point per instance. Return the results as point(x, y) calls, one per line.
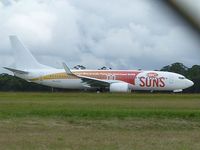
point(67, 70)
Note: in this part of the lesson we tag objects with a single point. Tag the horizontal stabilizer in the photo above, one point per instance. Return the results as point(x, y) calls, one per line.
point(16, 71)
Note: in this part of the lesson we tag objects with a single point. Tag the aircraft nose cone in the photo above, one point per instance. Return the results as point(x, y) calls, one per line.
point(190, 83)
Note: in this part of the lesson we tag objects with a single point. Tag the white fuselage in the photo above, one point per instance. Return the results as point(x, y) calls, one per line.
point(139, 80)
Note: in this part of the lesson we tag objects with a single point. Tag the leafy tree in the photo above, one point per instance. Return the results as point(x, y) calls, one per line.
point(193, 74)
point(105, 68)
point(12, 83)
point(176, 67)
point(79, 67)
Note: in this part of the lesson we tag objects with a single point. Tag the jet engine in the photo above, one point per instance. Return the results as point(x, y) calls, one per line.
point(120, 87)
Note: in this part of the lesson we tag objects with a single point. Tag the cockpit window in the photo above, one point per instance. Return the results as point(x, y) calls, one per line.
point(181, 78)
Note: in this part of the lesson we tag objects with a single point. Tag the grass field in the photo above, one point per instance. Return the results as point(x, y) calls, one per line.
point(108, 121)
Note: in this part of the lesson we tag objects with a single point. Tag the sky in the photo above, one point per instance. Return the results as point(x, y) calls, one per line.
point(121, 34)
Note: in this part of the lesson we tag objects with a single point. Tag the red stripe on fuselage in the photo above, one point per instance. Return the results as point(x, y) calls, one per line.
point(126, 76)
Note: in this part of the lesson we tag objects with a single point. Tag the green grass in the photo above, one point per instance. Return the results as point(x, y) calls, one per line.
point(90, 121)
point(98, 106)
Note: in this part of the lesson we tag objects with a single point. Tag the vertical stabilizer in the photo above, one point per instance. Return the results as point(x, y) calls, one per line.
point(23, 57)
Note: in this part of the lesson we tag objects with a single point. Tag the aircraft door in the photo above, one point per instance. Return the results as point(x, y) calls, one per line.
point(111, 77)
point(171, 79)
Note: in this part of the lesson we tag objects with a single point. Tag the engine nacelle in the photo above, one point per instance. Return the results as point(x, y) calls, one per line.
point(120, 87)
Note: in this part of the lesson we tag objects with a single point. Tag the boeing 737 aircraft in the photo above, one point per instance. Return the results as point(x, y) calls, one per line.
point(28, 68)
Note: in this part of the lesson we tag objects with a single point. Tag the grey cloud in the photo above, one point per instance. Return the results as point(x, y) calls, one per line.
point(122, 34)
point(5, 2)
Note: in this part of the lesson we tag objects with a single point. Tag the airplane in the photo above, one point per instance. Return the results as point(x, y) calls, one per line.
point(29, 69)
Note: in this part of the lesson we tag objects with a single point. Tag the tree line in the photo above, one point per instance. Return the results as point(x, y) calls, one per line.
point(10, 83)
point(192, 73)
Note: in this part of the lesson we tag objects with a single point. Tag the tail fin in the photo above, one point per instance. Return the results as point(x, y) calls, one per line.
point(23, 57)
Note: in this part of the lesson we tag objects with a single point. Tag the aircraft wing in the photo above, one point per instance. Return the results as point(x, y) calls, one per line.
point(87, 81)
point(93, 82)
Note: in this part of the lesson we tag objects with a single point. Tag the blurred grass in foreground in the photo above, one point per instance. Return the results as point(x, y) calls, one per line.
point(90, 121)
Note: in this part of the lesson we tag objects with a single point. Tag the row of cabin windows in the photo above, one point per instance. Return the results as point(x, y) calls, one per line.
point(56, 76)
point(93, 76)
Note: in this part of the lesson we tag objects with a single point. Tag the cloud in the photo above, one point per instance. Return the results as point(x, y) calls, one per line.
point(122, 34)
